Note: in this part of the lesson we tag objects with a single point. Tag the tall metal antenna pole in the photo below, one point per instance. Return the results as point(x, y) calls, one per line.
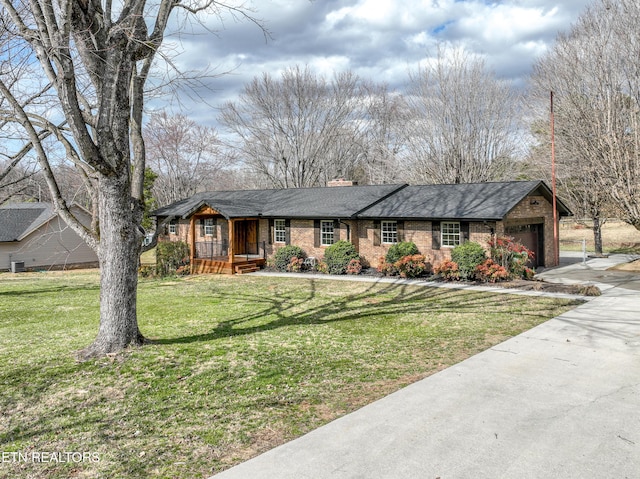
point(556, 240)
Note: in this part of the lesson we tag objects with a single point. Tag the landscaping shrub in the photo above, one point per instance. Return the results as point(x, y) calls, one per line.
point(172, 257)
point(147, 270)
point(386, 268)
point(512, 256)
point(412, 266)
point(589, 290)
point(295, 265)
point(448, 270)
point(354, 267)
point(491, 272)
point(321, 267)
point(338, 255)
point(284, 256)
point(468, 256)
point(398, 251)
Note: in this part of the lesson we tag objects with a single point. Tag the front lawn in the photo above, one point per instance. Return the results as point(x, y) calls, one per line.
point(239, 365)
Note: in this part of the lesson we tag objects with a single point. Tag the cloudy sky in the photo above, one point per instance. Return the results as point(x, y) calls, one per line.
point(380, 40)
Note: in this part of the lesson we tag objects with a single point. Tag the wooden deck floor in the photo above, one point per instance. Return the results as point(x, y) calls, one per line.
point(222, 265)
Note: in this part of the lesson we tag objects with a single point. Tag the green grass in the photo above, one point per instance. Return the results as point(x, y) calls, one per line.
point(239, 364)
point(148, 257)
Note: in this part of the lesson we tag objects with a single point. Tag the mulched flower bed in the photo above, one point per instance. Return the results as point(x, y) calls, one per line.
point(577, 289)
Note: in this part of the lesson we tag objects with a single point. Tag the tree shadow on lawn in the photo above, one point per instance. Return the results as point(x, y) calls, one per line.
point(53, 289)
point(393, 299)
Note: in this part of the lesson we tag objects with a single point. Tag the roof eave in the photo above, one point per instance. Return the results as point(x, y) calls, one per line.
point(548, 194)
point(202, 203)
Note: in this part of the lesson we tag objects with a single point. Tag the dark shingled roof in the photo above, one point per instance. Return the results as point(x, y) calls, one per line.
point(471, 201)
point(20, 218)
point(334, 202)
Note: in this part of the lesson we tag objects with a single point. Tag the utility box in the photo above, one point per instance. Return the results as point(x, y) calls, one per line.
point(17, 267)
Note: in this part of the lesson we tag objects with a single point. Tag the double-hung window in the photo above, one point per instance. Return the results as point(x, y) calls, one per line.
point(389, 230)
point(173, 227)
point(450, 232)
point(279, 231)
point(326, 233)
point(208, 227)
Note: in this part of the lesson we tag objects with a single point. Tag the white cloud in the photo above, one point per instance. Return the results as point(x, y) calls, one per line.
point(506, 24)
point(381, 40)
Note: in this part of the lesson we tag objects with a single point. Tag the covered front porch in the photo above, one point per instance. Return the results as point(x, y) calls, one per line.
point(224, 246)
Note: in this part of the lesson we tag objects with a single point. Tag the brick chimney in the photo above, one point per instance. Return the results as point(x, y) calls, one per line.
point(341, 182)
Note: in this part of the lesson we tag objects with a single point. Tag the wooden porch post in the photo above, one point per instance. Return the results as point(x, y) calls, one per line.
point(192, 232)
point(231, 241)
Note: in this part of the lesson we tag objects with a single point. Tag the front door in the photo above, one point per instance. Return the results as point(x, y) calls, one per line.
point(245, 237)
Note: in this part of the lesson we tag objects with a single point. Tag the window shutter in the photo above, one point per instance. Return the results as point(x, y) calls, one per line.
point(435, 235)
point(400, 230)
point(201, 227)
point(215, 228)
point(464, 231)
point(287, 232)
point(336, 231)
point(376, 233)
point(271, 231)
point(316, 233)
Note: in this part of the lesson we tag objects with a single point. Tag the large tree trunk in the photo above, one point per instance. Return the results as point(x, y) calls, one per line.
point(597, 234)
point(120, 243)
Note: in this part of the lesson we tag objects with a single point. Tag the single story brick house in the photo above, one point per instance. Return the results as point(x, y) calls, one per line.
point(34, 237)
point(229, 231)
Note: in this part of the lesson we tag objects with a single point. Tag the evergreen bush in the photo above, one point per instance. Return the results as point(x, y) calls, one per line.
point(285, 254)
point(172, 257)
point(468, 256)
point(338, 255)
point(398, 251)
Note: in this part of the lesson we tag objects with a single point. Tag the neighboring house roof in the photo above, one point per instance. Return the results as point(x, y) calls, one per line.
point(322, 202)
point(17, 220)
point(470, 201)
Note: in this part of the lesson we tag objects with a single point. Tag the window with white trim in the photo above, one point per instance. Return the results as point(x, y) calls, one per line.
point(173, 227)
point(326, 233)
point(450, 232)
point(208, 227)
point(279, 231)
point(389, 232)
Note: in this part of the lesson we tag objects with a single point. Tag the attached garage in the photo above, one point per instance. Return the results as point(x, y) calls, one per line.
point(532, 237)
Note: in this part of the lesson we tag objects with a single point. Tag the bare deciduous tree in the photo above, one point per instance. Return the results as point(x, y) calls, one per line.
point(385, 135)
point(14, 179)
point(463, 126)
point(76, 70)
point(577, 180)
point(187, 157)
point(300, 130)
point(593, 72)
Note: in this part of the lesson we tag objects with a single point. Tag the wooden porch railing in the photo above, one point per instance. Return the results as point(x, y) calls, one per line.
point(211, 249)
point(220, 249)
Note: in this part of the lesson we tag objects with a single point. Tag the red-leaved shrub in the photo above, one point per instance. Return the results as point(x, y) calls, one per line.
point(448, 270)
point(491, 272)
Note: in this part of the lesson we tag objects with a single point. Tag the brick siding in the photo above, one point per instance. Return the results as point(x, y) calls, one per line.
point(531, 210)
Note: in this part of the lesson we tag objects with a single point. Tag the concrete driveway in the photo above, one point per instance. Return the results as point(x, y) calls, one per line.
point(559, 401)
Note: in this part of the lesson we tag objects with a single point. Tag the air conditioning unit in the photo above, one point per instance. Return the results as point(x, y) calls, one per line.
point(17, 267)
